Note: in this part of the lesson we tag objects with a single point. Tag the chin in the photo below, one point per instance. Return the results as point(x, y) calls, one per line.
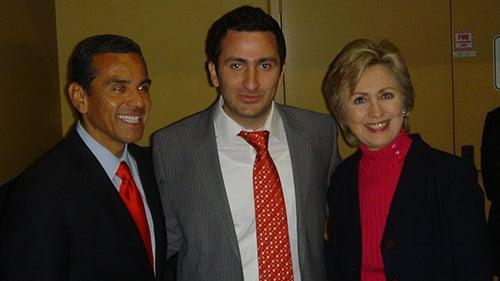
point(132, 138)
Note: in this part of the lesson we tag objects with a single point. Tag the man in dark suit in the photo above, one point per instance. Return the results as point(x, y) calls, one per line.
point(89, 209)
point(210, 186)
point(490, 171)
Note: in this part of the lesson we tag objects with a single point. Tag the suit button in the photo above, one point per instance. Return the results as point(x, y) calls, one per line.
point(391, 244)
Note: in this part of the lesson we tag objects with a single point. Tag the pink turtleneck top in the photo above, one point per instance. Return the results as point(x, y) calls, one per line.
point(379, 173)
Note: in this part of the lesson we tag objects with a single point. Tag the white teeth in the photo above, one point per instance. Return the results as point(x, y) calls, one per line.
point(377, 125)
point(129, 119)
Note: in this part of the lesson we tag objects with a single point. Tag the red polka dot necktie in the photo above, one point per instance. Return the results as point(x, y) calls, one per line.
point(273, 244)
point(133, 200)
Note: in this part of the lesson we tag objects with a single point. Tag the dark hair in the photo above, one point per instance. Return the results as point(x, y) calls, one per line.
point(80, 65)
point(244, 18)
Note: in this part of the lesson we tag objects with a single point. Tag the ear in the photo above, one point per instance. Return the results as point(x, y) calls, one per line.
point(78, 97)
point(212, 71)
point(282, 73)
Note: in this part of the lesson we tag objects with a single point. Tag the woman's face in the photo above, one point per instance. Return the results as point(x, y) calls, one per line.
point(375, 109)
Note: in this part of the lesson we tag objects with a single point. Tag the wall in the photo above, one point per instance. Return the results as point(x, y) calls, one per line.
point(453, 95)
point(30, 119)
point(419, 28)
point(171, 35)
point(474, 90)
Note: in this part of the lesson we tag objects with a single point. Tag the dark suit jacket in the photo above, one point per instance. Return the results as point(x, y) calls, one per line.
point(435, 230)
point(64, 220)
point(199, 222)
point(490, 170)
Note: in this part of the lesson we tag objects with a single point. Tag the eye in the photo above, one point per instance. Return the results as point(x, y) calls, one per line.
point(236, 66)
point(145, 88)
point(387, 95)
point(358, 100)
point(265, 66)
point(119, 88)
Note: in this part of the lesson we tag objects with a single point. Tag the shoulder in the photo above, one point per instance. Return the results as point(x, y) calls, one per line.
point(56, 161)
point(315, 123)
point(185, 127)
point(494, 114)
point(437, 166)
point(304, 114)
point(49, 174)
point(347, 170)
point(350, 162)
point(434, 157)
point(140, 154)
point(491, 123)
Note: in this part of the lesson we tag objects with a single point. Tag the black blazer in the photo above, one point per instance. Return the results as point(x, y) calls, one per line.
point(490, 167)
point(435, 228)
point(64, 220)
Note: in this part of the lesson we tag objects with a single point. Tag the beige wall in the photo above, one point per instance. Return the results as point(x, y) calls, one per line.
point(30, 119)
point(34, 53)
point(171, 35)
point(317, 32)
point(474, 90)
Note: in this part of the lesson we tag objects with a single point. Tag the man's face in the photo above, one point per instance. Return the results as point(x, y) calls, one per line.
point(115, 110)
point(247, 76)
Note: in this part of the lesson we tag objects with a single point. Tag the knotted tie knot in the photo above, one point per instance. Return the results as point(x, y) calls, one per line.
point(258, 139)
point(123, 172)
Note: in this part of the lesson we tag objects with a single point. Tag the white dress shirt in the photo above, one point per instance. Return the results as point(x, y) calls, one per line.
point(237, 160)
point(110, 164)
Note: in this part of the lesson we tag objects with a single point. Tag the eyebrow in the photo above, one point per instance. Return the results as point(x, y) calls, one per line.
point(242, 60)
point(387, 88)
point(380, 91)
point(125, 81)
point(116, 81)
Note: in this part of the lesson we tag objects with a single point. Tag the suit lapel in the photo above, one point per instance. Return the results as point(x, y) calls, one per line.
point(144, 164)
point(207, 159)
point(100, 188)
point(412, 177)
point(351, 190)
point(95, 178)
point(300, 155)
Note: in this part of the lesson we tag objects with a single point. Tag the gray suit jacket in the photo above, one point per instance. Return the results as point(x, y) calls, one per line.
point(198, 217)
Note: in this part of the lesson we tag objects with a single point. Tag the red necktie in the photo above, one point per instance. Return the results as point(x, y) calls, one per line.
point(133, 200)
point(273, 244)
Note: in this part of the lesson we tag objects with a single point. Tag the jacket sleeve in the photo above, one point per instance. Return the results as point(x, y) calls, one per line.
point(34, 242)
point(464, 221)
point(490, 156)
point(174, 234)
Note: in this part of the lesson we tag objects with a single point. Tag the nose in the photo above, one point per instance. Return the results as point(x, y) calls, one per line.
point(136, 98)
point(375, 109)
point(251, 80)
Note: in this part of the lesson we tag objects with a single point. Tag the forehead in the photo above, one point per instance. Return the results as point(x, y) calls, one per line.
point(249, 43)
point(376, 76)
point(129, 65)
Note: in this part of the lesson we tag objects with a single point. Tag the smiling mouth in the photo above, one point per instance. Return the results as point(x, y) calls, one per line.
point(130, 119)
point(377, 126)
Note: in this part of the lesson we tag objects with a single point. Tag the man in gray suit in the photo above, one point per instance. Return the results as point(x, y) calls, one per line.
point(205, 169)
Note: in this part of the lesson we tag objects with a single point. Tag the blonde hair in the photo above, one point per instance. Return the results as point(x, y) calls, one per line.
point(346, 69)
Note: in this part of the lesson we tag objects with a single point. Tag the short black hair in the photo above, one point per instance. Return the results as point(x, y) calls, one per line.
point(244, 18)
point(80, 65)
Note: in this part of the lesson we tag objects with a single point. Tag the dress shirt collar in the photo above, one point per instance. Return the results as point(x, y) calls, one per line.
point(226, 129)
point(106, 158)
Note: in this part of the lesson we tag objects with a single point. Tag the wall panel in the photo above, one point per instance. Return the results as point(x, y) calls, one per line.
point(30, 120)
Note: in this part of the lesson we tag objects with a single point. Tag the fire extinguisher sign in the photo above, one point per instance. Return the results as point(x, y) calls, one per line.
point(463, 45)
